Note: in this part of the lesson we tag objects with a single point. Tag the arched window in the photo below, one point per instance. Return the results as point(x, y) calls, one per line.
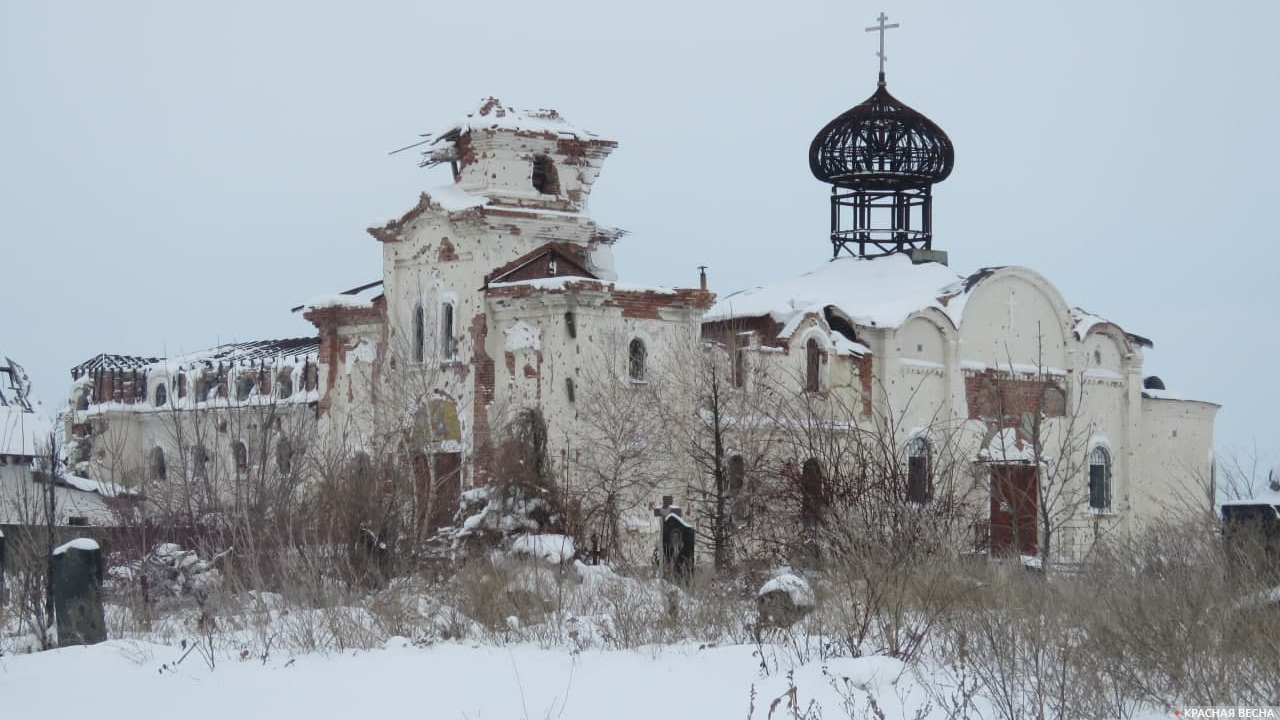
point(284, 457)
point(919, 470)
point(446, 331)
point(158, 469)
point(544, 177)
point(637, 357)
point(162, 395)
point(419, 334)
point(1099, 478)
point(812, 366)
point(241, 456)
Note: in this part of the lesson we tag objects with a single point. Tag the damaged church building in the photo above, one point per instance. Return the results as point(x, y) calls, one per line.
point(499, 295)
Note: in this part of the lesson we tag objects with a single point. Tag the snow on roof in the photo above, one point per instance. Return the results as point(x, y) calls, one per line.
point(1085, 321)
point(492, 114)
point(880, 291)
point(560, 281)
point(361, 294)
point(453, 198)
point(21, 428)
point(239, 353)
point(20, 495)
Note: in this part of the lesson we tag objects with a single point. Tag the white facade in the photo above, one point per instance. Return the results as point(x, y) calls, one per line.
point(499, 293)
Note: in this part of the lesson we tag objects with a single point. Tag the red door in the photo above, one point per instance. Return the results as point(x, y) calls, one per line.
point(1013, 510)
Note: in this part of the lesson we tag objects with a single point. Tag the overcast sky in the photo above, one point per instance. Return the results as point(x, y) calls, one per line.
point(175, 175)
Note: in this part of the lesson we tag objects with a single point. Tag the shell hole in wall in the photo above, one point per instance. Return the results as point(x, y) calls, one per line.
point(544, 177)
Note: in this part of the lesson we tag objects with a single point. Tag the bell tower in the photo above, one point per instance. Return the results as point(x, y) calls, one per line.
point(881, 159)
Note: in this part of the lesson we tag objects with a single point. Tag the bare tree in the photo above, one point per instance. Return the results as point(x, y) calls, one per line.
point(710, 401)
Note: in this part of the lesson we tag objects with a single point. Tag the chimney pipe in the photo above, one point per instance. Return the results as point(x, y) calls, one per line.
point(702, 277)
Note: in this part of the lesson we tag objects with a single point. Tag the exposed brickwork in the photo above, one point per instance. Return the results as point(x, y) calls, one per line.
point(865, 368)
point(484, 393)
point(333, 350)
point(633, 303)
point(998, 397)
point(391, 232)
point(722, 331)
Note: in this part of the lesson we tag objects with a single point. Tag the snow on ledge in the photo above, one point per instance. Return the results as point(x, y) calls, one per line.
point(791, 584)
point(552, 548)
point(77, 544)
point(320, 302)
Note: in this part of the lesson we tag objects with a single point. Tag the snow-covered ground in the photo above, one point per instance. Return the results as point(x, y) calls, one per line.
point(125, 680)
point(128, 679)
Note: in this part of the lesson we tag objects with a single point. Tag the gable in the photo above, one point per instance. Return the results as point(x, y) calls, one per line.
point(550, 260)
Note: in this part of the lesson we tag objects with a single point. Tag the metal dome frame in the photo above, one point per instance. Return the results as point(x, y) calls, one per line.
point(881, 158)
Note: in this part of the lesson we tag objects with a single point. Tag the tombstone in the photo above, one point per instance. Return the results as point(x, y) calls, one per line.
point(77, 593)
point(677, 546)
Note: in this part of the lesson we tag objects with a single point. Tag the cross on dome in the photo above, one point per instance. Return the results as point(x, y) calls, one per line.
point(881, 27)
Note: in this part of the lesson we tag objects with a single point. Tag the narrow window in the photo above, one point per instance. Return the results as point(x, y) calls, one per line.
point(162, 395)
point(182, 385)
point(812, 366)
point(1100, 478)
point(919, 471)
point(569, 389)
point(636, 357)
point(419, 334)
point(737, 474)
point(571, 324)
point(158, 469)
point(741, 343)
point(284, 384)
point(241, 455)
point(284, 457)
point(446, 331)
point(244, 386)
point(544, 177)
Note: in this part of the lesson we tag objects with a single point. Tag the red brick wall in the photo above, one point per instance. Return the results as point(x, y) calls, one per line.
point(483, 366)
point(992, 395)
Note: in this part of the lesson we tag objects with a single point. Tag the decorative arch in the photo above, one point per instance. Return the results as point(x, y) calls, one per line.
point(1060, 331)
